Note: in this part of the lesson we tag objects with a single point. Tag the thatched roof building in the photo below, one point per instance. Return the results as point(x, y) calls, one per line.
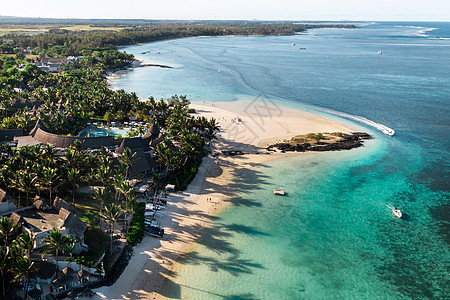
point(16, 218)
point(59, 203)
point(135, 143)
point(72, 222)
point(2, 195)
point(40, 133)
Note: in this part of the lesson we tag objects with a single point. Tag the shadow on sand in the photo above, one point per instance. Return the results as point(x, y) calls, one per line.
point(207, 231)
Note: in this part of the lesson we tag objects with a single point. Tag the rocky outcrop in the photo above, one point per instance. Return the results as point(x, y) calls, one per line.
point(348, 141)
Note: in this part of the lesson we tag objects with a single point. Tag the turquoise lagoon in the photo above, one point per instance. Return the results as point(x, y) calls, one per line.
point(332, 236)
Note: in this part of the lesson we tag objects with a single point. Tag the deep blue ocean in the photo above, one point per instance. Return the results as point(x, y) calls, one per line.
point(333, 236)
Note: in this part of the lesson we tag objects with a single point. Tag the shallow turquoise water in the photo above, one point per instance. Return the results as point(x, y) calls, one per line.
point(94, 131)
point(332, 236)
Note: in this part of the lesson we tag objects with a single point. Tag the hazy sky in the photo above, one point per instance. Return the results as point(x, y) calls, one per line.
point(438, 10)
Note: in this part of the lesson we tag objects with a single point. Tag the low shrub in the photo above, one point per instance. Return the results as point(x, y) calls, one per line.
point(136, 232)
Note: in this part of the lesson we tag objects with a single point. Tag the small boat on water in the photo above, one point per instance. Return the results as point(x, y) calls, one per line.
point(396, 212)
point(379, 52)
point(390, 132)
point(279, 192)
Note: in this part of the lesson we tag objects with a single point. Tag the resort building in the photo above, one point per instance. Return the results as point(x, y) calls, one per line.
point(39, 219)
point(50, 64)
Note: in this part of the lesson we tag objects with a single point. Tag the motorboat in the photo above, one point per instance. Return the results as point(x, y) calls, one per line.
point(395, 211)
point(279, 192)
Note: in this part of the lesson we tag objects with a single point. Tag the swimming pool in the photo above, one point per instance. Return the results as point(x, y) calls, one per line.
point(96, 131)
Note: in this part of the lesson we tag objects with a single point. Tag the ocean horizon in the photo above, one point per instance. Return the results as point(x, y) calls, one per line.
point(333, 236)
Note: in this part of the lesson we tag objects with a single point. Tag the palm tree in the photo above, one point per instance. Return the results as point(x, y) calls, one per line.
point(38, 170)
point(212, 127)
point(49, 152)
point(7, 231)
point(130, 207)
point(163, 155)
point(74, 177)
point(5, 105)
point(50, 176)
point(103, 175)
point(191, 145)
point(127, 158)
point(74, 157)
point(26, 242)
point(124, 188)
point(16, 184)
point(56, 242)
point(111, 214)
point(101, 195)
point(5, 265)
point(27, 182)
point(23, 266)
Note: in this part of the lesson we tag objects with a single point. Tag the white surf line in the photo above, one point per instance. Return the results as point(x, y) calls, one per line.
point(383, 128)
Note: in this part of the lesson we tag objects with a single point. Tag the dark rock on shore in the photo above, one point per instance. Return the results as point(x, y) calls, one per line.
point(155, 65)
point(232, 152)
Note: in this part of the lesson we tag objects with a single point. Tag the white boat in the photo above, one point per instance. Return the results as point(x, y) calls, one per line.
point(390, 132)
point(395, 211)
point(379, 52)
point(279, 192)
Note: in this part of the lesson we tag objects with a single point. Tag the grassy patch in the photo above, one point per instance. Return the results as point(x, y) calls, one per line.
point(32, 56)
point(85, 204)
point(92, 28)
point(314, 138)
point(36, 29)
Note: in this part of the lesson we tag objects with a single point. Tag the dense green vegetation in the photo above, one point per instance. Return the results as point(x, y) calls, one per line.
point(15, 252)
point(136, 232)
point(64, 43)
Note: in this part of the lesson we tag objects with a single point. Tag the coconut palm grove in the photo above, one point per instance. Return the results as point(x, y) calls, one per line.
point(90, 192)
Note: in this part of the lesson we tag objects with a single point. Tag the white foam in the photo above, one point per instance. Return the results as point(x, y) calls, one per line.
point(383, 128)
point(439, 38)
point(423, 32)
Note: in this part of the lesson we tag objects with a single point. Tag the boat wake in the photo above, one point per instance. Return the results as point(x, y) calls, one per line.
point(383, 128)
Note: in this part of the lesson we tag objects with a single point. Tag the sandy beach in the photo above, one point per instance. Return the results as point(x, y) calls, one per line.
point(245, 126)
